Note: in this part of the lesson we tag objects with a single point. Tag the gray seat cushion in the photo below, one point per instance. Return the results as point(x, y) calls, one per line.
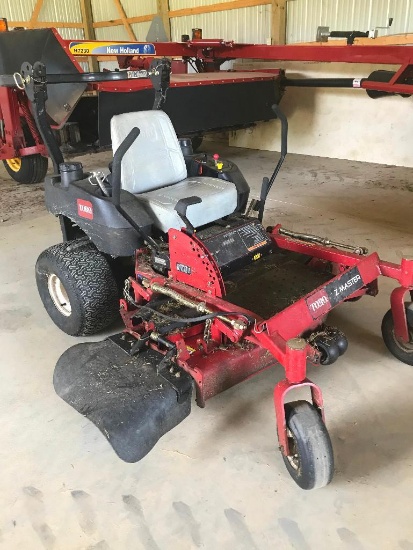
point(155, 158)
point(154, 170)
point(219, 199)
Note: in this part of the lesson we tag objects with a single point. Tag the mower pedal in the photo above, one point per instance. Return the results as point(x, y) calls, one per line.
point(123, 395)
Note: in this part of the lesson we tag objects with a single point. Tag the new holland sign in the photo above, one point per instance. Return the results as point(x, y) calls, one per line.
point(111, 48)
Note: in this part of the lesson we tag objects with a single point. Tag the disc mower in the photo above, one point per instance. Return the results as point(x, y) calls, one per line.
point(209, 298)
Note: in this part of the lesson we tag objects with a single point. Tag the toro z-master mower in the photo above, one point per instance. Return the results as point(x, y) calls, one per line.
point(212, 297)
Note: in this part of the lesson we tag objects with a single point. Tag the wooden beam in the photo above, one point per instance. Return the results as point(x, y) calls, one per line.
point(35, 14)
point(223, 6)
point(114, 22)
point(278, 21)
point(162, 7)
point(46, 24)
point(125, 21)
point(88, 30)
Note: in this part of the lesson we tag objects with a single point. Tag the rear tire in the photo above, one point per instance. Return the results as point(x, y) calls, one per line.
point(28, 170)
point(77, 287)
point(311, 463)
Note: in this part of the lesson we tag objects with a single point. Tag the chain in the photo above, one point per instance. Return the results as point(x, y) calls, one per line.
point(207, 330)
point(126, 293)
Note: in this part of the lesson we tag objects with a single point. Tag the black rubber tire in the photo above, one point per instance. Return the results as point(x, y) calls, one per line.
point(33, 169)
point(89, 284)
point(312, 445)
point(397, 349)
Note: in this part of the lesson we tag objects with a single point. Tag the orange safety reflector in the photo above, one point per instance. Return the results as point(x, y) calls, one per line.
point(3, 24)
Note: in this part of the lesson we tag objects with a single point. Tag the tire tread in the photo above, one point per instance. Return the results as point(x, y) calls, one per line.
point(90, 275)
point(33, 169)
point(306, 424)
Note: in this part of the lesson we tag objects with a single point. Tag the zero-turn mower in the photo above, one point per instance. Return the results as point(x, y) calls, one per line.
point(210, 297)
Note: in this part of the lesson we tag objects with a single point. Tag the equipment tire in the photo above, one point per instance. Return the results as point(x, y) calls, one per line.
point(77, 287)
point(402, 352)
point(312, 463)
point(30, 169)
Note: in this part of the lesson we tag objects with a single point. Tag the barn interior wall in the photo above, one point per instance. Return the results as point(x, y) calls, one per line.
point(323, 122)
point(340, 123)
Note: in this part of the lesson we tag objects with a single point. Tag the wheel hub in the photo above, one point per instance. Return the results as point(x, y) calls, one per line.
point(405, 346)
point(59, 295)
point(293, 458)
point(14, 164)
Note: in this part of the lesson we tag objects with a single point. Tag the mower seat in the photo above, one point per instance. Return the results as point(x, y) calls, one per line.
point(154, 170)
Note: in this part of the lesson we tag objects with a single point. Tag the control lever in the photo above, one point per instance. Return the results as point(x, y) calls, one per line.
point(267, 183)
point(181, 208)
point(117, 164)
point(117, 184)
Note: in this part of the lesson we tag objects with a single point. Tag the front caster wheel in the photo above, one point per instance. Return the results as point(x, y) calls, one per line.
point(311, 463)
point(401, 350)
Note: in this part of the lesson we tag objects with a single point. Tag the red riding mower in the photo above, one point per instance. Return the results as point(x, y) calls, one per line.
point(211, 299)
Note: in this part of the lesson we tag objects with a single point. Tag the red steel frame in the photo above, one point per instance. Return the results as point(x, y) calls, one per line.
point(231, 355)
point(218, 50)
point(267, 341)
point(13, 108)
point(13, 103)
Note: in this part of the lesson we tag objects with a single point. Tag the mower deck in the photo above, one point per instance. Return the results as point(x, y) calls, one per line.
point(273, 283)
point(123, 395)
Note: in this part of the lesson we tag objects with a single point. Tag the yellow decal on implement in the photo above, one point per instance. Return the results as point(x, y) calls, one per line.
point(111, 48)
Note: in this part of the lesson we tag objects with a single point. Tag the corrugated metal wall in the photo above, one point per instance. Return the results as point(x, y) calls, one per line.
point(242, 25)
point(304, 16)
point(17, 10)
point(52, 10)
point(105, 10)
point(67, 11)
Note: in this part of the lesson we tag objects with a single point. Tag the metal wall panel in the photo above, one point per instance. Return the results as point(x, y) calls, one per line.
point(17, 10)
point(134, 8)
point(104, 10)
point(117, 32)
point(251, 25)
point(21, 10)
point(182, 4)
point(304, 16)
point(71, 34)
point(141, 30)
point(67, 11)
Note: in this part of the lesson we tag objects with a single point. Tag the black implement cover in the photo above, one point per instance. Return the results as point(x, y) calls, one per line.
point(17, 47)
point(122, 395)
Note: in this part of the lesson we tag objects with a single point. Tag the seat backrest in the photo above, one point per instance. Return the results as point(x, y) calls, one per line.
point(155, 159)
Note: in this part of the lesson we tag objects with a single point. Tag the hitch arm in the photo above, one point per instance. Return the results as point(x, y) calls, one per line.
point(36, 91)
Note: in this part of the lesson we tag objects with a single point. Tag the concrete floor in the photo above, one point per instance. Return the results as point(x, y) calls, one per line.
point(217, 481)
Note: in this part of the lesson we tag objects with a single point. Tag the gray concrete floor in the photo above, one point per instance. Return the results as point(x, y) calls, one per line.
point(217, 481)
